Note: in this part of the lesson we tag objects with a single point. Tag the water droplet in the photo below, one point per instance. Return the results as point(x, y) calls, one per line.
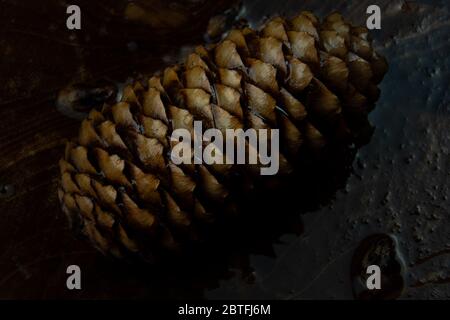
point(6, 190)
point(132, 46)
point(381, 250)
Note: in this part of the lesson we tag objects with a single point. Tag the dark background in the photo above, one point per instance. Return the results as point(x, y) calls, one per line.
point(399, 186)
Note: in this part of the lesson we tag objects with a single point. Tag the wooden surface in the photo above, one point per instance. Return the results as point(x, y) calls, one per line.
point(400, 183)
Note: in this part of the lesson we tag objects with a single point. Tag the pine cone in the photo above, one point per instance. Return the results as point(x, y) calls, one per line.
point(315, 82)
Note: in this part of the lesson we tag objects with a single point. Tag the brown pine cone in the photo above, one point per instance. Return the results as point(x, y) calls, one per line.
point(315, 82)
